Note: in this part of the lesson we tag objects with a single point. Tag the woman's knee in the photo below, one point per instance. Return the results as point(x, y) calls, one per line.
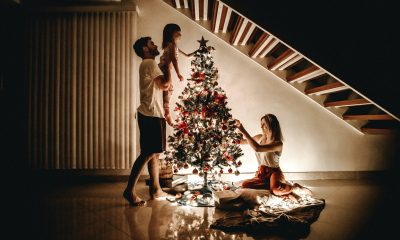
point(246, 184)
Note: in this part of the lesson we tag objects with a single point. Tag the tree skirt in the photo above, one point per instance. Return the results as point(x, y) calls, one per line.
point(272, 215)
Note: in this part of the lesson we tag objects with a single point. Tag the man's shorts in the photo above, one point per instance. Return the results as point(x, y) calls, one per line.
point(152, 134)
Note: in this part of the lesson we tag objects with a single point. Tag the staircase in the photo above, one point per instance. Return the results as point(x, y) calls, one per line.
point(291, 66)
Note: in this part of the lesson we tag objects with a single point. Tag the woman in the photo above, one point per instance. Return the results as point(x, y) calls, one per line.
point(268, 147)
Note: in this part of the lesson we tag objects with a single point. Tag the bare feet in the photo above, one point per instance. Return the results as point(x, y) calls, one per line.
point(293, 197)
point(133, 199)
point(160, 195)
point(301, 190)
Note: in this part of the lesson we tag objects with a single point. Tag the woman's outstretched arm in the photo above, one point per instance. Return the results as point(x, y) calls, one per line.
point(255, 137)
point(273, 147)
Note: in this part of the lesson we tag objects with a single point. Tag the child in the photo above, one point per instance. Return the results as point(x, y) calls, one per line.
point(171, 36)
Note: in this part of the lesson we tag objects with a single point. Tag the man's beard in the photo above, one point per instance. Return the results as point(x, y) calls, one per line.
point(154, 52)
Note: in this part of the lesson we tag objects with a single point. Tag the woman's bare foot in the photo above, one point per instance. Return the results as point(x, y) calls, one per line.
point(302, 190)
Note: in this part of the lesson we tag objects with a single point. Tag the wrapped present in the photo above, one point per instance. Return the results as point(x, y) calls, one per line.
point(165, 169)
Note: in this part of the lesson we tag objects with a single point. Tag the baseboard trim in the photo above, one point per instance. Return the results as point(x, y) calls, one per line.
point(122, 175)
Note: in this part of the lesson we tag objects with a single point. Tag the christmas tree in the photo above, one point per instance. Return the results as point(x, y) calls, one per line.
point(204, 134)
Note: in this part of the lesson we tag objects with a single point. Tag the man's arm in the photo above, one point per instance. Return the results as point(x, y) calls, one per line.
point(163, 83)
point(159, 78)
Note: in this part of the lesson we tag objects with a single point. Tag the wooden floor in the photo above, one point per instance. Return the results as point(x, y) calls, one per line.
point(355, 209)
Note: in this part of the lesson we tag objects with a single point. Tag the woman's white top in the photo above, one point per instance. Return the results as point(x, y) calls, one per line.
point(269, 159)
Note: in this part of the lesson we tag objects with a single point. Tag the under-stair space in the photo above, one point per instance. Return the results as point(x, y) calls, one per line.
point(291, 66)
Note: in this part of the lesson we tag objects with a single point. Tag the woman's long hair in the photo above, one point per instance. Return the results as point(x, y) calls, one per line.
point(274, 126)
point(168, 33)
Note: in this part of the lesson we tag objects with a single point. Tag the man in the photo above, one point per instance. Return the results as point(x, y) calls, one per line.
point(151, 121)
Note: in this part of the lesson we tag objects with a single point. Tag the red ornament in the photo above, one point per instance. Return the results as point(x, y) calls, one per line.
point(239, 163)
point(227, 157)
point(224, 127)
point(185, 166)
point(204, 112)
point(195, 171)
point(205, 169)
point(175, 170)
point(230, 170)
point(236, 141)
point(198, 76)
point(184, 127)
point(221, 171)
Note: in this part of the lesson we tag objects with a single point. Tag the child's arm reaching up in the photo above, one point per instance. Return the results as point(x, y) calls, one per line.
point(209, 48)
point(187, 54)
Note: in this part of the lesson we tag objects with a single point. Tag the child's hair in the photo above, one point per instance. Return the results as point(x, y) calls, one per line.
point(274, 126)
point(168, 32)
point(139, 44)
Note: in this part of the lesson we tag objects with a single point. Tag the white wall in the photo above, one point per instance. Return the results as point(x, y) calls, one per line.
point(315, 139)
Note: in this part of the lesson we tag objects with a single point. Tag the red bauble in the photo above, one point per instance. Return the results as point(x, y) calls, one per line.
point(221, 171)
point(175, 170)
point(185, 166)
point(239, 163)
point(195, 171)
point(204, 112)
point(230, 170)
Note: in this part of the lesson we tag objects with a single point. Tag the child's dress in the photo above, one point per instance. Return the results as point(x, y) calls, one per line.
point(170, 53)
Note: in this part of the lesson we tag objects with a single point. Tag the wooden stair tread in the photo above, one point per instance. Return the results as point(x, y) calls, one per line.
point(285, 56)
point(336, 86)
point(370, 130)
point(351, 102)
point(302, 73)
point(367, 117)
